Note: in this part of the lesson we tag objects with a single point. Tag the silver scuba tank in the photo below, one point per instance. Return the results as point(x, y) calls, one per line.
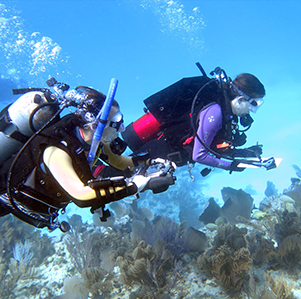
point(17, 127)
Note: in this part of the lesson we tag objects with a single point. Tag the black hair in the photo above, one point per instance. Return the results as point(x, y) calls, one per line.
point(250, 85)
point(93, 103)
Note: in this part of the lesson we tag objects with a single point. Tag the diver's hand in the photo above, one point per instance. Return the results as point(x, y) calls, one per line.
point(163, 161)
point(252, 151)
point(234, 167)
point(140, 181)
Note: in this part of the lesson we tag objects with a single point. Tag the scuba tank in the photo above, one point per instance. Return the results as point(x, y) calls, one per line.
point(19, 120)
point(141, 131)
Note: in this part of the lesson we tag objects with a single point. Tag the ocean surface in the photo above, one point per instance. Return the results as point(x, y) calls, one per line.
point(150, 44)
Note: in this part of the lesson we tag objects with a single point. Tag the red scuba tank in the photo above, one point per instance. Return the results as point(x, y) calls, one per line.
point(141, 131)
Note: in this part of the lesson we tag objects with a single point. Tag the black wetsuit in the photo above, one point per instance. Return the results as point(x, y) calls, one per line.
point(36, 194)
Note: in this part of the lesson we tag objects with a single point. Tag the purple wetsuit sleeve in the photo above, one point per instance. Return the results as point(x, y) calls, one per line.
point(210, 122)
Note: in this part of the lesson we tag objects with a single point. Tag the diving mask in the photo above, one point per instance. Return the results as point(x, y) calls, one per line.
point(116, 122)
point(255, 103)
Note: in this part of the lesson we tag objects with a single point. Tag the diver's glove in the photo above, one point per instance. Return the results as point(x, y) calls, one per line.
point(252, 151)
point(234, 166)
point(172, 165)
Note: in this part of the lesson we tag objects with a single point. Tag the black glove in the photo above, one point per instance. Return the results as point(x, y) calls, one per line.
point(234, 167)
point(252, 151)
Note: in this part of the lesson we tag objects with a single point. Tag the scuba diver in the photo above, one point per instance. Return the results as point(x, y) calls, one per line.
point(197, 120)
point(49, 165)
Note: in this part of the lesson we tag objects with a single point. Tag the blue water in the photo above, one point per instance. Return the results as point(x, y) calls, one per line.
point(149, 44)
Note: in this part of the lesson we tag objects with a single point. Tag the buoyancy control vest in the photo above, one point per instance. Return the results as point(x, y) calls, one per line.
point(35, 194)
point(166, 124)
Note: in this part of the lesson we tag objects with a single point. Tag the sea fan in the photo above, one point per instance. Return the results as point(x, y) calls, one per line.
point(23, 252)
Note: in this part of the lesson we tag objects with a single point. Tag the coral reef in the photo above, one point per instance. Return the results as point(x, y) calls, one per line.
point(289, 224)
point(13, 230)
point(295, 192)
point(288, 253)
point(87, 253)
point(74, 288)
point(154, 273)
point(211, 212)
point(277, 287)
point(140, 254)
point(237, 203)
point(158, 246)
point(229, 260)
point(270, 189)
point(23, 250)
point(149, 259)
point(17, 271)
point(261, 249)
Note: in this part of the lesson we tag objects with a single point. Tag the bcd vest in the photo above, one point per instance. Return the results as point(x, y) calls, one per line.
point(32, 186)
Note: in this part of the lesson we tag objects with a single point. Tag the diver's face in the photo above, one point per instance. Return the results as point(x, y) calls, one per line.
point(240, 106)
point(88, 132)
point(114, 125)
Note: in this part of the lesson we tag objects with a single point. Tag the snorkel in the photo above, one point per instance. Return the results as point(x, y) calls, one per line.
point(102, 118)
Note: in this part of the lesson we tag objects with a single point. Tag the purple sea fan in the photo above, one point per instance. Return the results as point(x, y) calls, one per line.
point(168, 232)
